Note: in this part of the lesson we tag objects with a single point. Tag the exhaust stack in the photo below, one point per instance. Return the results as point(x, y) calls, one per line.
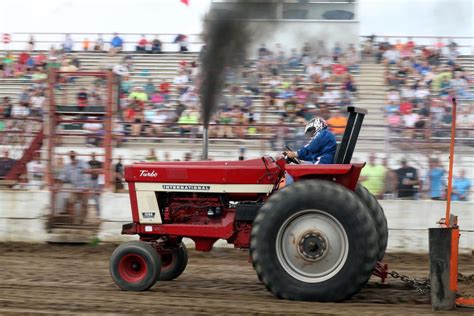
point(205, 143)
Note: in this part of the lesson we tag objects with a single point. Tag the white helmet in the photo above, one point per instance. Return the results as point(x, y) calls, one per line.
point(315, 126)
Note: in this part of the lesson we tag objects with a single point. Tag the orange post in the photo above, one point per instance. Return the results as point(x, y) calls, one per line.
point(451, 162)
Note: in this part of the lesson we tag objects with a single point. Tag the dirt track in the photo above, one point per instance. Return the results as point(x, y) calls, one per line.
point(55, 279)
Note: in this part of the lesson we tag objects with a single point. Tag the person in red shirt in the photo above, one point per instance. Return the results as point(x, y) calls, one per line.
point(40, 60)
point(405, 107)
point(129, 114)
point(410, 44)
point(23, 58)
point(165, 90)
point(142, 44)
point(338, 71)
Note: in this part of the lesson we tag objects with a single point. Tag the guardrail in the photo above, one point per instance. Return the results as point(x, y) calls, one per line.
point(44, 41)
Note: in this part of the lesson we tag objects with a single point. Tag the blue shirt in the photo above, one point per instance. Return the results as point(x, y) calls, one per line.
point(436, 182)
point(116, 42)
point(320, 149)
point(461, 186)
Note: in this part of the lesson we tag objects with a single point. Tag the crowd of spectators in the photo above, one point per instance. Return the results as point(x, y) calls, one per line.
point(422, 81)
point(410, 183)
point(295, 88)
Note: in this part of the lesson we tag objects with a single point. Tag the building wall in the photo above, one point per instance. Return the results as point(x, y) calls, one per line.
point(23, 217)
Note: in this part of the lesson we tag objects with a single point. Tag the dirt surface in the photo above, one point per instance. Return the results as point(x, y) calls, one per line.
point(59, 279)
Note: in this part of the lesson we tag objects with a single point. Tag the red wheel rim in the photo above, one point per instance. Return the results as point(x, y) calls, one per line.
point(132, 268)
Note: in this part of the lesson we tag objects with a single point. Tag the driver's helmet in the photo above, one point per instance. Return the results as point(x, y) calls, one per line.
point(315, 126)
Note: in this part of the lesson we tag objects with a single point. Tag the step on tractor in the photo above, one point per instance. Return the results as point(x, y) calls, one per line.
point(318, 239)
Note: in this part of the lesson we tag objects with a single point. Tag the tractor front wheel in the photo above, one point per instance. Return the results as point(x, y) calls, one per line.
point(314, 241)
point(135, 266)
point(173, 263)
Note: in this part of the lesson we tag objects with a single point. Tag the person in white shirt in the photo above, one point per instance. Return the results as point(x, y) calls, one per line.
point(391, 56)
point(314, 69)
point(20, 110)
point(95, 129)
point(38, 101)
point(181, 82)
point(410, 119)
point(36, 173)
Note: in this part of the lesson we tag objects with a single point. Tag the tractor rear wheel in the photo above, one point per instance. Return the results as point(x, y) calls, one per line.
point(173, 263)
point(135, 266)
point(314, 241)
point(378, 215)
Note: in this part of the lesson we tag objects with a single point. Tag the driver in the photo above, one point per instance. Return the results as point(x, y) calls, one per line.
point(322, 146)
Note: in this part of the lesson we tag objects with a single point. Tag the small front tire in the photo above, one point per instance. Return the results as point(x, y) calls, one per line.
point(135, 266)
point(173, 263)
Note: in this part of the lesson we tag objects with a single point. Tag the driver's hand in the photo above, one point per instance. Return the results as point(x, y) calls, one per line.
point(291, 154)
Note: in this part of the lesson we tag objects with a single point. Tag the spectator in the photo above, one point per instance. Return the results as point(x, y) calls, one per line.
point(156, 45)
point(75, 177)
point(138, 93)
point(116, 44)
point(165, 89)
point(142, 45)
point(31, 43)
point(410, 121)
point(118, 175)
point(382, 48)
point(188, 122)
point(181, 82)
point(35, 170)
point(460, 86)
point(68, 44)
point(151, 157)
point(20, 111)
point(6, 163)
point(337, 122)
point(436, 176)
point(391, 181)
point(391, 56)
point(373, 177)
point(336, 52)
point(349, 85)
point(149, 87)
point(82, 98)
point(461, 187)
point(38, 101)
point(7, 107)
point(99, 44)
point(94, 130)
point(405, 107)
point(85, 44)
point(188, 156)
point(95, 170)
point(126, 85)
point(407, 181)
point(182, 41)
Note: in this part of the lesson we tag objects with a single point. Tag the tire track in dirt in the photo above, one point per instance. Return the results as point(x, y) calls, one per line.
point(53, 279)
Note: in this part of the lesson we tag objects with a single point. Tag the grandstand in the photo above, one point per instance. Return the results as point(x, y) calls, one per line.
point(371, 93)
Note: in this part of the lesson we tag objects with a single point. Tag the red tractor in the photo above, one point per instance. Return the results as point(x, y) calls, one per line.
point(318, 239)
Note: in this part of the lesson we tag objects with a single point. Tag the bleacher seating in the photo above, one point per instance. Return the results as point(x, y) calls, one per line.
point(370, 95)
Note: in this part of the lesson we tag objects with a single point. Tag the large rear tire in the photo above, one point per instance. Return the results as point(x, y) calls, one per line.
point(379, 218)
point(315, 241)
point(135, 266)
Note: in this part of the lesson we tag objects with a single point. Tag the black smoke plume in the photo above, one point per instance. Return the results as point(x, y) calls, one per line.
point(226, 37)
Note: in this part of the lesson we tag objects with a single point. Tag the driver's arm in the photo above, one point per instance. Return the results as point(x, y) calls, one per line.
point(307, 152)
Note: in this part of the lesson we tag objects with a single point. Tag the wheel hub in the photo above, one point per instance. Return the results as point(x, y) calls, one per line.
point(136, 266)
point(312, 246)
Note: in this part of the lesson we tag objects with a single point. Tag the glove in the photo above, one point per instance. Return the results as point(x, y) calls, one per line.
point(291, 154)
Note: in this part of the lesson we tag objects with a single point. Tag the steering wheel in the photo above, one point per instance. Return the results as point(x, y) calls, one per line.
point(289, 159)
